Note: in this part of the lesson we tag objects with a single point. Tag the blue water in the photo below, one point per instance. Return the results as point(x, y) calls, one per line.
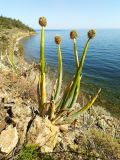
point(102, 64)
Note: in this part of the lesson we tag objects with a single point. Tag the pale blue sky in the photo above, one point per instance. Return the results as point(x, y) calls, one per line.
point(65, 14)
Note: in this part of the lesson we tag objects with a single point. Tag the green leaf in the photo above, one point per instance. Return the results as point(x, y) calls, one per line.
point(75, 115)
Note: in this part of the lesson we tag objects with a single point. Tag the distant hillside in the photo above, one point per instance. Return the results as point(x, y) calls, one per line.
point(9, 23)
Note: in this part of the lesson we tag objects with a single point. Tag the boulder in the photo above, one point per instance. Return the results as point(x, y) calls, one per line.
point(43, 133)
point(22, 114)
point(8, 139)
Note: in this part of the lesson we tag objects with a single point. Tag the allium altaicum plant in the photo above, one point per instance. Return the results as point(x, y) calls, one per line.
point(60, 110)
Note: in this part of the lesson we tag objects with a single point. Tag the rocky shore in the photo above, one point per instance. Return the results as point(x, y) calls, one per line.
point(94, 136)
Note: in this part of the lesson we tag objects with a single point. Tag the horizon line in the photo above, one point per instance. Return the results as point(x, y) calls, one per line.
point(75, 29)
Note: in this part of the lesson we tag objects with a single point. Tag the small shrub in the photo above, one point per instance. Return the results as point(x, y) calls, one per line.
point(28, 153)
point(32, 153)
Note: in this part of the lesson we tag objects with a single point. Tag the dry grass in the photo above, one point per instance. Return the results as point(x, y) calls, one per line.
point(17, 86)
point(97, 144)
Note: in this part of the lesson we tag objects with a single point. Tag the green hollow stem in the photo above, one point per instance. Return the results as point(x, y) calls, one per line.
point(76, 54)
point(76, 93)
point(75, 80)
point(84, 109)
point(42, 71)
point(59, 104)
point(60, 73)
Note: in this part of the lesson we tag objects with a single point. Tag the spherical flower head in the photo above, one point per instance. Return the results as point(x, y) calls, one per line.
point(91, 34)
point(58, 39)
point(73, 35)
point(43, 21)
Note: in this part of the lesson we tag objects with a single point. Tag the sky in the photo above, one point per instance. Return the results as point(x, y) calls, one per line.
point(64, 14)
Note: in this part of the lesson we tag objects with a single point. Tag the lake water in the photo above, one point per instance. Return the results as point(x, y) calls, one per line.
point(102, 64)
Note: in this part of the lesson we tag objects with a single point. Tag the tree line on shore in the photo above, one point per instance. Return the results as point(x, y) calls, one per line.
point(9, 23)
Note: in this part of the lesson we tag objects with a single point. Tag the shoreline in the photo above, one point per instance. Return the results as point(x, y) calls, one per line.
point(17, 41)
point(23, 36)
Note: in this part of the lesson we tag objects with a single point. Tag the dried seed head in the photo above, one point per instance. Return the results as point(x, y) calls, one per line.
point(57, 39)
point(43, 21)
point(73, 35)
point(91, 34)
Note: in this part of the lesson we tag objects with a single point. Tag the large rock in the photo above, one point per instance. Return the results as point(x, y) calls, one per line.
point(22, 114)
point(8, 139)
point(43, 133)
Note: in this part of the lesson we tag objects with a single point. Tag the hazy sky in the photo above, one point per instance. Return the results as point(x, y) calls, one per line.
point(64, 13)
